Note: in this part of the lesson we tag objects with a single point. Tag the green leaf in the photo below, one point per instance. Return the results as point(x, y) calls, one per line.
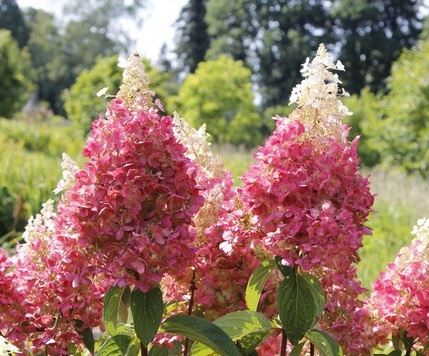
point(115, 345)
point(203, 331)
point(300, 302)
point(326, 345)
point(147, 309)
point(88, 336)
point(395, 353)
point(249, 327)
point(114, 307)
point(256, 284)
point(165, 351)
point(88, 339)
point(296, 351)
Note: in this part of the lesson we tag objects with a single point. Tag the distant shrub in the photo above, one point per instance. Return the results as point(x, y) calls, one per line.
point(367, 109)
point(16, 75)
point(220, 95)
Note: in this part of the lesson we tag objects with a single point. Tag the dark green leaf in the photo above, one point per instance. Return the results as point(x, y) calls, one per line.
point(114, 306)
point(88, 339)
point(300, 302)
point(256, 284)
point(248, 327)
point(296, 351)
point(203, 331)
point(326, 345)
point(395, 353)
point(147, 309)
point(165, 351)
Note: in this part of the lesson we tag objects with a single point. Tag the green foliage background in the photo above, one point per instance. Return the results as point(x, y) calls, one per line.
point(15, 73)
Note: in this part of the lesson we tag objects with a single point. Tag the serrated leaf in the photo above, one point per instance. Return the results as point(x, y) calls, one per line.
point(256, 284)
point(300, 302)
point(147, 309)
point(326, 345)
point(249, 327)
point(113, 307)
point(203, 331)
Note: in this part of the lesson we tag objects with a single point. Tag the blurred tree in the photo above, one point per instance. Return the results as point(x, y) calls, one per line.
point(271, 36)
point(191, 36)
point(232, 26)
point(16, 75)
point(290, 31)
point(367, 123)
point(61, 50)
point(403, 138)
point(11, 19)
point(81, 103)
point(44, 46)
point(220, 95)
point(105, 19)
point(370, 35)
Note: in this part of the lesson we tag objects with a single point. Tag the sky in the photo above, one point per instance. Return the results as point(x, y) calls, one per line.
point(157, 26)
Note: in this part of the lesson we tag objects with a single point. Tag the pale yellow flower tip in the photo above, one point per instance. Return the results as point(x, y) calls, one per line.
point(134, 90)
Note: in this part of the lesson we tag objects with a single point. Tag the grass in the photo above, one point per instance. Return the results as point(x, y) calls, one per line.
point(30, 169)
point(401, 200)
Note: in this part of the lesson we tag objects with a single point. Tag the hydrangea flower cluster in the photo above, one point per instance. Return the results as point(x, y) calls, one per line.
point(51, 307)
point(308, 198)
point(136, 196)
point(219, 278)
point(125, 219)
point(400, 300)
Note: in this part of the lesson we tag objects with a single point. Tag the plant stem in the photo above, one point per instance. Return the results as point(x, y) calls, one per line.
point(311, 349)
point(284, 344)
point(190, 307)
point(143, 350)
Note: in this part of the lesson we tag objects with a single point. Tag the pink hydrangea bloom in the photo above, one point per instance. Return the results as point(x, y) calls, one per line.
point(310, 202)
point(135, 198)
point(54, 305)
point(126, 218)
point(218, 278)
point(400, 298)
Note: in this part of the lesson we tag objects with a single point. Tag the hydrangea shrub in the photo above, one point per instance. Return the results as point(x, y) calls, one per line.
point(152, 246)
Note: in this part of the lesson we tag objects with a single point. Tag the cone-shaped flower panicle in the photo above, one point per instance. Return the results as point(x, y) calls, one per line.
point(135, 199)
point(400, 298)
point(305, 191)
point(125, 218)
point(317, 97)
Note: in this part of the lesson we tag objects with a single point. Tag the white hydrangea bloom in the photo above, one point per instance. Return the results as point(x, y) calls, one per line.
point(198, 147)
point(70, 168)
point(135, 82)
point(6, 348)
point(317, 96)
point(42, 225)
